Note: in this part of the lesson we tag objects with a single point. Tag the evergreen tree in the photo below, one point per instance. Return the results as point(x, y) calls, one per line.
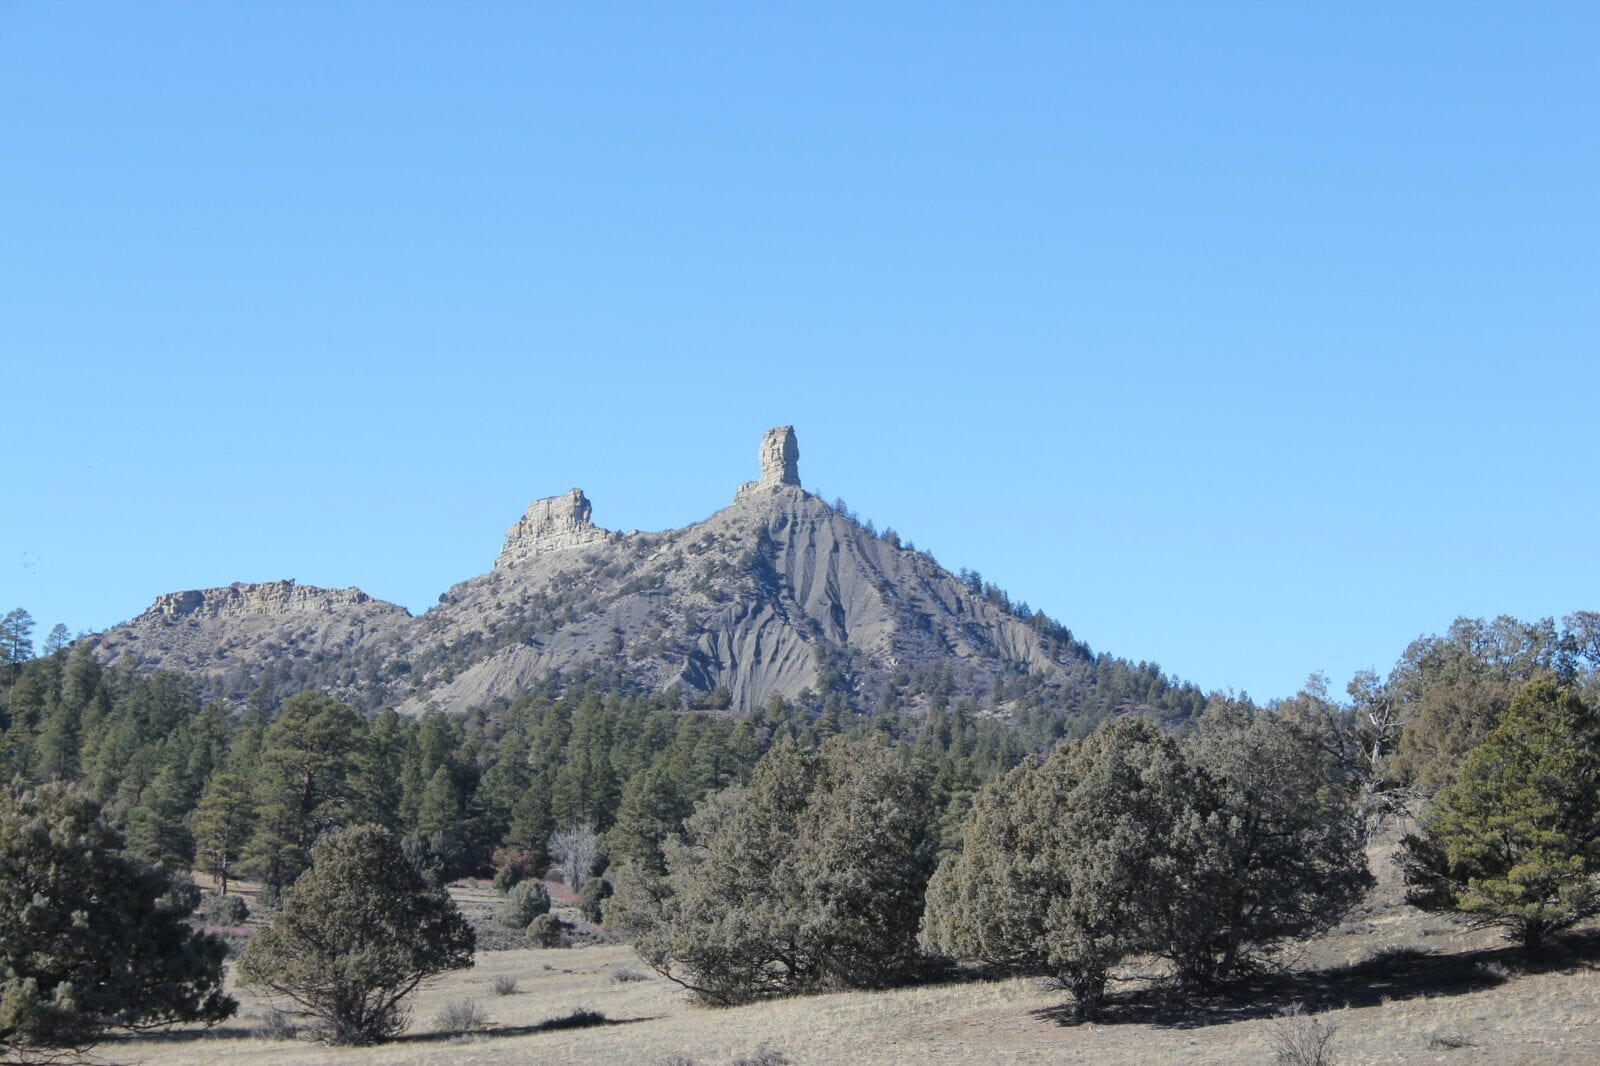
point(16, 641)
point(653, 807)
point(1514, 839)
point(222, 824)
point(1271, 848)
point(357, 934)
point(809, 878)
point(1063, 866)
point(91, 939)
point(304, 783)
point(156, 826)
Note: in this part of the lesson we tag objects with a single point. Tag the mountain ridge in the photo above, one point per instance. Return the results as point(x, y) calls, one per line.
point(778, 593)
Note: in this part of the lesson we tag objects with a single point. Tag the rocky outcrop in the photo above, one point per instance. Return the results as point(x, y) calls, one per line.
point(776, 593)
point(556, 523)
point(780, 461)
point(272, 598)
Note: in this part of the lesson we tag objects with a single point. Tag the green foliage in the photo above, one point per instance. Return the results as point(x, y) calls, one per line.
point(304, 783)
point(525, 902)
point(1450, 690)
point(1514, 839)
point(357, 934)
point(223, 822)
point(592, 897)
point(90, 939)
point(157, 830)
point(1062, 865)
point(506, 878)
point(16, 639)
point(809, 878)
point(1269, 847)
point(548, 931)
point(1125, 843)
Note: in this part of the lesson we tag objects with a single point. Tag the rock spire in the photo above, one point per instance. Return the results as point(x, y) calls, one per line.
point(780, 461)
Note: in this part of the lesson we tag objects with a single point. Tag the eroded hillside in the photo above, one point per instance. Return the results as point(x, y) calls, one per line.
point(776, 593)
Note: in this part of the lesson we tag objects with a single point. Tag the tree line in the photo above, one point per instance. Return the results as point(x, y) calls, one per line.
point(805, 847)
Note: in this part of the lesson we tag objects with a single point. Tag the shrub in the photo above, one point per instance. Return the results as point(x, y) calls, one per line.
point(504, 985)
point(1127, 843)
point(224, 910)
point(1268, 848)
point(357, 934)
point(460, 1016)
point(810, 878)
point(623, 975)
point(506, 878)
point(512, 866)
point(1059, 864)
point(91, 939)
point(548, 931)
point(595, 891)
point(580, 1018)
point(1301, 1039)
point(762, 1056)
point(525, 902)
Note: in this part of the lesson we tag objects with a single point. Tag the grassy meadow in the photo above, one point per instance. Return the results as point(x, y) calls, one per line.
point(1400, 986)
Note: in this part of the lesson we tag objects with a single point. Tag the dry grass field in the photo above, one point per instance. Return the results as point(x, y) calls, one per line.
point(1400, 986)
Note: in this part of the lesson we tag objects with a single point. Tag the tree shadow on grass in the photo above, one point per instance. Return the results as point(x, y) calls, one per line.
point(575, 1020)
point(1397, 973)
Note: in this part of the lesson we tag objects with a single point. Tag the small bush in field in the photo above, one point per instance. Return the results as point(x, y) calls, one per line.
point(548, 931)
point(1301, 1039)
point(461, 1016)
point(762, 1056)
point(595, 892)
point(622, 975)
point(504, 985)
point(582, 1018)
point(526, 901)
point(223, 910)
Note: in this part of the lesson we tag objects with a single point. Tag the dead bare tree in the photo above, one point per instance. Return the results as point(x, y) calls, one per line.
point(574, 849)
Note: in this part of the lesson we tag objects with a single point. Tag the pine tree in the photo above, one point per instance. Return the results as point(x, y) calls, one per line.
point(156, 829)
point(222, 824)
point(1514, 839)
point(89, 938)
point(304, 783)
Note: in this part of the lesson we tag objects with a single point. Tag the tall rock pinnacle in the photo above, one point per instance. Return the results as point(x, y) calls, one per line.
point(780, 462)
point(780, 457)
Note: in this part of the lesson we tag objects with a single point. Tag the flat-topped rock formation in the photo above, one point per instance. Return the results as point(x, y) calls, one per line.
point(556, 523)
point(266, 598)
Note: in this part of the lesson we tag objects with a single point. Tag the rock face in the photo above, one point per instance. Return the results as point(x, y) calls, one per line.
point(236, 638)
point(776, 593)
point(780, 461)
point(556, 523)
point(240, 600)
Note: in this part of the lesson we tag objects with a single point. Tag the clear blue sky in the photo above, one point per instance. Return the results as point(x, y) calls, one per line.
point(1254, 339)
